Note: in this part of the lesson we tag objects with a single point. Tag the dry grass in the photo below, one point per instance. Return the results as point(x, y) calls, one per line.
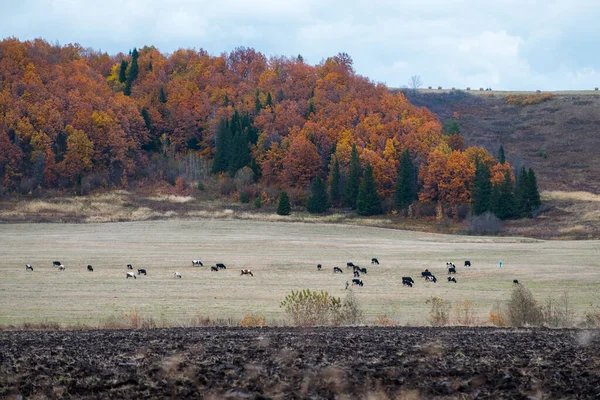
point(172, 198)
point(283, 257)
point(574, 196)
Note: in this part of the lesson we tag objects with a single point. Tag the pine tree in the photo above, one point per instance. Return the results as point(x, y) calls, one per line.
point(162, 97)
point(318, 203)
point(222, 148)
point(239, 155)
point(269, 100)
point(283, 206)
point(123, 71)
point(501, 157)
point(311, 108)
point(406, 183)
point(133, 72)
point(521, 199)
point(280, 96)
point(481, 191)
point(353, 181)
point(533, 191)
point(257, 105)
point(368, 201)
point(503, 200)
point(334, 183)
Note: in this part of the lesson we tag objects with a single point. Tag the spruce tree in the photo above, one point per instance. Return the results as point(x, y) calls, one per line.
point(533, 191)
point(269, 101)
point(368, 201)
point(521, 200)
point(353, 181)
point(222, 148)
point(318, 203)
point(133, 72)
point(481, 191)
point(334, 183)
point(503, 203)
point(280, 96)
point(146, 118)
point(162, 96)
point(123, 71)
point(406, 183)
point(283, 206)
point(501, 157)
point(257, 105)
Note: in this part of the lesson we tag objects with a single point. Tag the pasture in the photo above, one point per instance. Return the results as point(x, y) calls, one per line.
point(283, 256)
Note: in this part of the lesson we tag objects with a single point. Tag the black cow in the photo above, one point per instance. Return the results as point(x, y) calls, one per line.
point(90, 268)
point(356, 274)
point(214, 268)
point(221, 266)
point(451, 270)
point(142, 271)
point(431, 278)
point(407, 281)
point(358, 282)
point(350, 265)
point(467, 263)
point(363, 270)
point(57, 263)
point(374, 261)
point(516, 282)
point(451, 279)
point(28, 267)
point(337, 269)
point(425, 274)
point(129, 266)
point(318, 267)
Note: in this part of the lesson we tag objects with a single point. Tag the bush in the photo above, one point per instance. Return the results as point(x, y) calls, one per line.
point(257, 202)
point(497, 316)
point(384, 320)
point(284, 207)
point(226, 186)
point(310, 308)
point(523, 309)
point(350, 313)
point(558, 313)
point(244, 197)
point(439, 314)
point(485, 224)
point(253, 320)
point(464, 313)
point(592, 318)
point(200, 186)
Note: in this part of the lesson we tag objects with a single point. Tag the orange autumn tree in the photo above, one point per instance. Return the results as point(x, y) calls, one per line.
point(302, 162)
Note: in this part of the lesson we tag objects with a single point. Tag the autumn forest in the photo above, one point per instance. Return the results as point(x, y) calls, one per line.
point(73, 119)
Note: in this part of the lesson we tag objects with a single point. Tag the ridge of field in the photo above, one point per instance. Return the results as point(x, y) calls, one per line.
point(283, 257)
point(559, 138)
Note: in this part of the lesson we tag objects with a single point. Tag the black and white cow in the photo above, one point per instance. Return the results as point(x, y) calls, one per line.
point(90, 268)
point(374, 261)
point(61, 267)
point(356, 274)
point(337, 269)
point(177, 274)
point(197, 262)
point(451, 270)
point(425, 274)
point(318, 267)
point(431, 278)
point(358, 282)
point(407, 281)
point(450, 264)
point(130, 275)
point(467, 263)
point(142, 271)
point(451, 279)
point(129, 266)
point(28, 267)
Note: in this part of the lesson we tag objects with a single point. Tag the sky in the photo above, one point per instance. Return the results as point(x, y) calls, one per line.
point(498, 44)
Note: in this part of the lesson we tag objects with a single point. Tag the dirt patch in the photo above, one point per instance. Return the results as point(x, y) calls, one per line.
point(240, 363)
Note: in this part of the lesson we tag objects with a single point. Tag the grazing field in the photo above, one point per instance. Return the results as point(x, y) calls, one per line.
point(283, 256)
point(294, 363)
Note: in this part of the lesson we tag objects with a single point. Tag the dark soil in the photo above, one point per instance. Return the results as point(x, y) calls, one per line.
point(288, 363)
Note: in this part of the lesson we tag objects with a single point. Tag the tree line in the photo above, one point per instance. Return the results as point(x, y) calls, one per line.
point(72, 117)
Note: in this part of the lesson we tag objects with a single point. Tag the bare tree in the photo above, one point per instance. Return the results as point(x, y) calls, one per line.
point(415, 82)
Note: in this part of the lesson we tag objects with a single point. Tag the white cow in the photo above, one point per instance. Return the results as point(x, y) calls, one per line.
point(177, 274)
point(61, 267)
point(130, 275)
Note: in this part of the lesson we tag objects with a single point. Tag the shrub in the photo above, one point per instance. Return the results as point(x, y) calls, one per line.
point(253, 320)
point(497, 316)
point(464, 313)
point(523, 309)
point(284, 207)
point(310, 308)
point(558, 313)
point(485, 224)
point(592, 317)
point(226, 186)
point(439, 315)
point(350, 313)
point(244, 197)
point(384, 320)
point(200, 186)
point(257, 202)
point(525, 100)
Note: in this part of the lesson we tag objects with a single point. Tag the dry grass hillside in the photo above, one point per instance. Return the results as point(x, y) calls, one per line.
point(559, 137)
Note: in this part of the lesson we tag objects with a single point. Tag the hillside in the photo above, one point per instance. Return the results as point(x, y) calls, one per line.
point(559, 138)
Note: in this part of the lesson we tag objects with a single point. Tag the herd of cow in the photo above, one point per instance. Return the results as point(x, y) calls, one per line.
point(142, 271)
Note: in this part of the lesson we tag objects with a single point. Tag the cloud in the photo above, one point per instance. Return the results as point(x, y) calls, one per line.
point(511, 44)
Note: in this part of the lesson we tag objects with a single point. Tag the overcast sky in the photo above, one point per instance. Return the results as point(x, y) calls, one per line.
point(502, 44)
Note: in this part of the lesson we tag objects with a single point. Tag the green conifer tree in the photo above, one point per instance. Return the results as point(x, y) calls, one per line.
point(368, 201)
point(269, 101)
point(162, 96)
point(501, 156)
point(481, 191)
point(353, 181)
point(406, 183)
point(318, 203)
point(283, 206)
point(257, 105)
point(533, 191)
point(334, 184)
point(222, 148)
point(503, 200)
point(123, 71)
point(132, 73)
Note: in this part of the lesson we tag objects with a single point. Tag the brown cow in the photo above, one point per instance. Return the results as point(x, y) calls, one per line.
point(246, 272)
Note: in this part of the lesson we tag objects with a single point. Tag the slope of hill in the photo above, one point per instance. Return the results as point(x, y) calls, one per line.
point(559, 138)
